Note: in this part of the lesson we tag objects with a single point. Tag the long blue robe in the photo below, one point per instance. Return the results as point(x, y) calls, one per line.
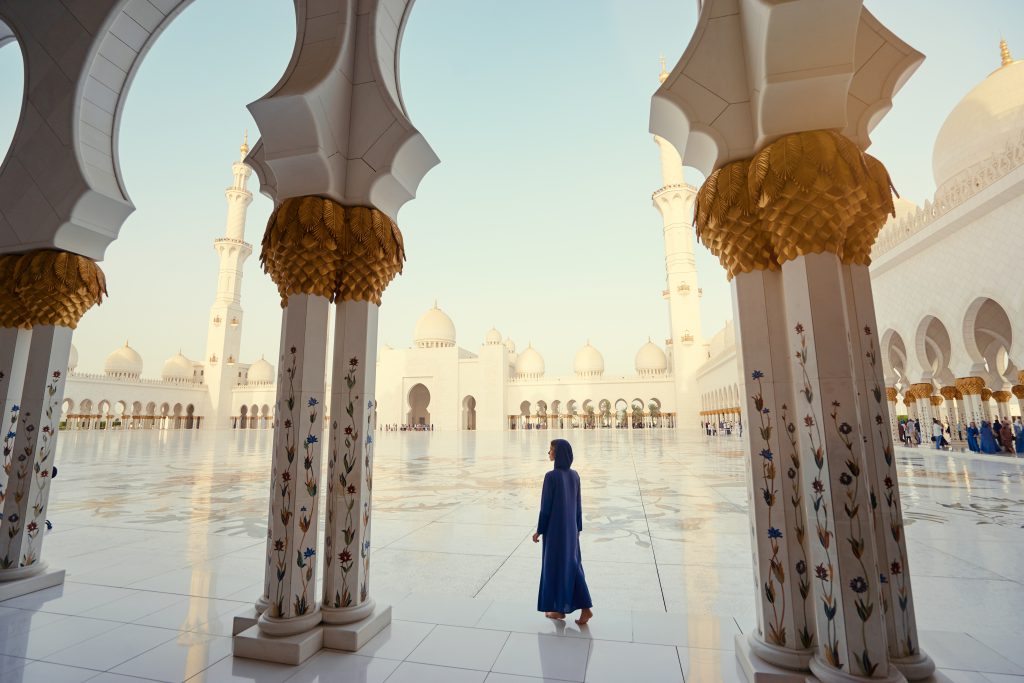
point(1018, 432)
point(563, 586)
point(972, 438)
point(988, 441)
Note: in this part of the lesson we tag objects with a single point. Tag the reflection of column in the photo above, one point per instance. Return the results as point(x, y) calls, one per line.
point(47, 291)
point(971, 388)
point(890, 398)
point(785, 615)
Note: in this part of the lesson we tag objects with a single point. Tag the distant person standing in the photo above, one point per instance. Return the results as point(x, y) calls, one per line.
point(937, 434)
point(563, 585)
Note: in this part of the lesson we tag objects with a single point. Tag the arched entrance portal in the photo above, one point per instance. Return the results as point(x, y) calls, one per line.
point(469, 413)
point(419, 399)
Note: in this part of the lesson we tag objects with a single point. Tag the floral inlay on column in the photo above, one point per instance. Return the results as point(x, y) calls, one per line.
point(8, 452)
point(796, 501)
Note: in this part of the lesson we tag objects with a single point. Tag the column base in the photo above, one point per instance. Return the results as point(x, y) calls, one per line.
point(294, 649)
point(352, 636)
point(292, 626)
point(916, 667)
point(262, 604)
point(758, 670)
point(16, 582)
point(244, 621)
point(347, 615)
point(826, 674)
point(794, 660)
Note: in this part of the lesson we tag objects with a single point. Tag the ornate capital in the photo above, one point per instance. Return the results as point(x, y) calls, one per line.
point(48, 287)
point(313, 245)
point(921, 390)
point(909, 398)
point(1001, 396)
point(1020, 377)
point(936, 400)
point(948, 393)
point(986, 394)
point(1018, 390)
point(890, 394)
point(805, 193)
point(970, 386)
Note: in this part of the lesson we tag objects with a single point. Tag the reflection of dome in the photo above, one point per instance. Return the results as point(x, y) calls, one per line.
point(530, 364)
point(493, 337)
point(651, 360)
point(73, 359)
point(434, 329)
point(261, 372)
point(124, 362)
point(588, 362)
point(988, 119)
point(177, 368)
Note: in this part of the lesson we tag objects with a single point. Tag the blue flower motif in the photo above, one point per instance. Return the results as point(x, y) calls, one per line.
point(766, 454)
point(312, 402)
point(13, 518)
point(765, 411)
point(310, 440)
point(15, 408)
point(366, 545)
point(757, 374)
point(309, 553)
point(774, 533)
point(369, 404)
point(369, 439)
point(10, 435)
point(882, 578)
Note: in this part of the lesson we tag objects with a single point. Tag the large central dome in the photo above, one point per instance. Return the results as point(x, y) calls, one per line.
point(987, 120)
point(434, 329)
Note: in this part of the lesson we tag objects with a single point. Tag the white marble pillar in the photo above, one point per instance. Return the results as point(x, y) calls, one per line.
point(986, 404)
point(970, 388)
point(32, 459)
point(1018, 391)
point(894, 586)
point(1002, 399)
point(347, 542)
point(922, 393)
point(851, 632)
point(890, 398)
point(295, 475)
point(14, 345)
point(784, 605)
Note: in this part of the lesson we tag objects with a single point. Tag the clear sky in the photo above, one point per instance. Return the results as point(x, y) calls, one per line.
point(538, 220)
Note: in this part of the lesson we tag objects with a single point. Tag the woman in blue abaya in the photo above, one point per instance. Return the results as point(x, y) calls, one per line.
point(1018, 435)
point(563, 586)
point(988, 440)
point(972, 438)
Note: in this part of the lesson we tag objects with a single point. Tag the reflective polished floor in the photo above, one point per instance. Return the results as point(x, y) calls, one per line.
point(162, 536)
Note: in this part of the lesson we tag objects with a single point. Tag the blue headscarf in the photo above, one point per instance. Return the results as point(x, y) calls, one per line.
point(563, 454)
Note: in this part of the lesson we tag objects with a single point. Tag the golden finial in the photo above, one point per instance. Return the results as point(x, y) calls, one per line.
point(244, 149)
point(1004, 52)
point(663, 76)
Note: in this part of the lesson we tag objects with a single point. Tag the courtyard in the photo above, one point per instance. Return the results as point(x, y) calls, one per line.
point(162, 535)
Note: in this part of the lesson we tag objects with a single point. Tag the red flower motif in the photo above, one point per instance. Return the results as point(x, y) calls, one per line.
point(353, 362)
point(821, 572)
point(351, 488)
point(56, 374)
point(808, 420)
point(344, 556)
point(287, 476)
point(287, 424)
point(44, 473)
point(32, 526)
point(348, 431)
point(888, 482)
point(895, 568)
point(279, 545)
point(799, 328)
point(818, 486)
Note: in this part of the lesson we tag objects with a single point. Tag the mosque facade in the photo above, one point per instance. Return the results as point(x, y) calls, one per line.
point(952, 351)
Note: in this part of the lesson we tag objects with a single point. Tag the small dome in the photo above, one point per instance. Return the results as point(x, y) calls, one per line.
point(73, 359)
point(651, 360)
point(588, 362)
point(177, 368)
point(434, 329)
point(987, 121)
point(493, 337)
point(261, 372)
point(123, 362)
point(510, 345)
point(530, 364)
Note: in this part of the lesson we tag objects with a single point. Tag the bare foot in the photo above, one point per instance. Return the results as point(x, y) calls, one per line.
point(554, 615)
point(585, 616)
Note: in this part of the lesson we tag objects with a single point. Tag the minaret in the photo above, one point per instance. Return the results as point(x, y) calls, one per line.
point(224, 338)
point(686, 351)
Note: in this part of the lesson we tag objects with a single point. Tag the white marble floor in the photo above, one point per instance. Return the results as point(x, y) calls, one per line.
point(162, 536)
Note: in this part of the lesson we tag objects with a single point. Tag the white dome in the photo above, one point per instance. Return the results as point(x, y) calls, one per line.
point(177, 368)
point(529, 364)
point(124, 362)
point(984, 123)
point(261, 372)
point(651, 360)
point(434, 329)
point(493, 337)
point(588, 362)
point(73, 359)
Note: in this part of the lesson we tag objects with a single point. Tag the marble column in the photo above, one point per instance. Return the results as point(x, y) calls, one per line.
point(851, 632)
point(295, 469)
point(953, 410)
point(971, 388)
point(986, 404)
point(784, 607)
point(883, 483)
point(1002, 399)
point(1018, 391)
point(32, 459)
point(14, 343)
point(347, 538)
point(923, 393)
point(890, 398)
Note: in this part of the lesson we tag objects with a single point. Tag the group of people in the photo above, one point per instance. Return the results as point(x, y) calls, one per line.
point(997, 437)
point(409, 427)
point(723, 427)
point(994, 437)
